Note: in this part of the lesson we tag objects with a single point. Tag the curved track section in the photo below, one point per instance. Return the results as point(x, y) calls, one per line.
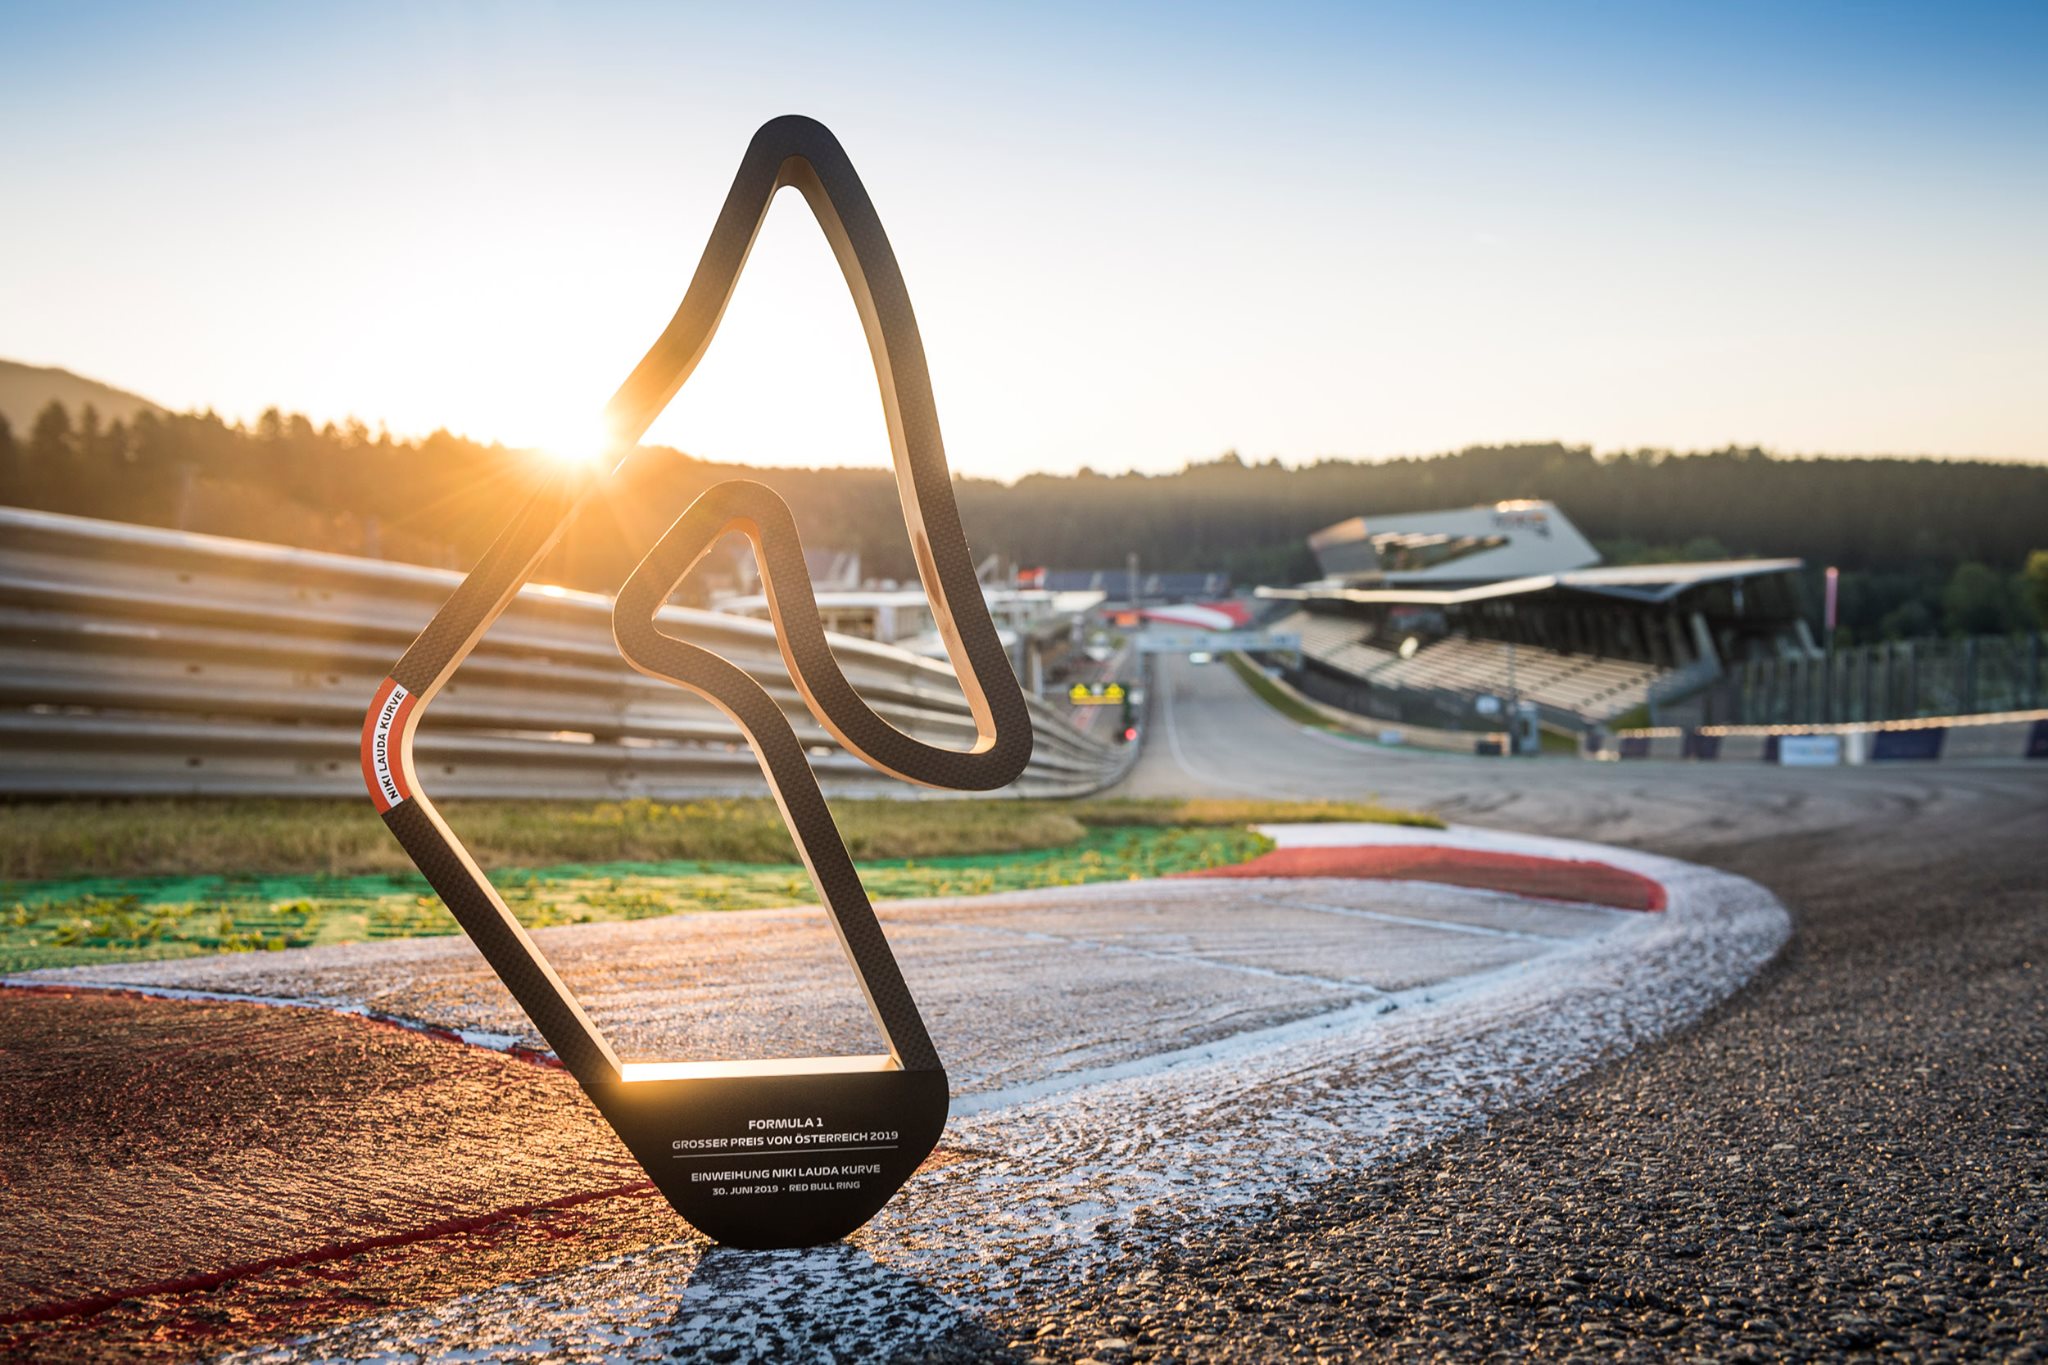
point(1211, 736)
point(1136, 1065)
point(1056, 1174)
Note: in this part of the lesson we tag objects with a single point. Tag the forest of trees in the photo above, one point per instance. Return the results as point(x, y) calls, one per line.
point(1924, 545)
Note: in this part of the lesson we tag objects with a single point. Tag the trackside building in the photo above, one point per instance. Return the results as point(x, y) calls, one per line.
point(1448, 617)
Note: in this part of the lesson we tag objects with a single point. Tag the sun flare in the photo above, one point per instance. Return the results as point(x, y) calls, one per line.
point(588, 443)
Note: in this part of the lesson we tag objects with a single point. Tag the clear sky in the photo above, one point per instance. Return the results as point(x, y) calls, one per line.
point(1134, 235)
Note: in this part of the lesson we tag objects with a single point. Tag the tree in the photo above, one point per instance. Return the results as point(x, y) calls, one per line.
point(10, 463)
point(1975, 601)
point(1908, 621)
point(87, 439)
point(49, 454)
point(88, 476)
point(2034, 586)
point(1897, 528)
point(50, 437)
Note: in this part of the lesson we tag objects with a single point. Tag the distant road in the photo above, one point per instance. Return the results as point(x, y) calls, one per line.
point(1212, 737)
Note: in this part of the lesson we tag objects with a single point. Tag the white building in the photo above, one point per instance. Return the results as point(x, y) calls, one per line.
point(1459, 546)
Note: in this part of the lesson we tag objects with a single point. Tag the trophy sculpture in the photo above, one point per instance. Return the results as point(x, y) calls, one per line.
point(791, 1151)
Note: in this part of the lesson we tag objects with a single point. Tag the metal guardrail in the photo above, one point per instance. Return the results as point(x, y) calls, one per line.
point(139, 661)
point(1890, 680)
point(1975, 737)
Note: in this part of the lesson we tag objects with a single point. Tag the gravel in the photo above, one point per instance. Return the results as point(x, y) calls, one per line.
point(1845, 1158)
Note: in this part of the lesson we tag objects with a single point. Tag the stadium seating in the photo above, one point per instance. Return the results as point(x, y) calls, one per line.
point(1584, 684)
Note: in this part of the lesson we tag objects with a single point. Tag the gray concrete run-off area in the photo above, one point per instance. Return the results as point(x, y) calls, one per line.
point(1018, 989)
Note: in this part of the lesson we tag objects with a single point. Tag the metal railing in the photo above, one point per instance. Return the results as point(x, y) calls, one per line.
point(138, 661)
point(1894, 680)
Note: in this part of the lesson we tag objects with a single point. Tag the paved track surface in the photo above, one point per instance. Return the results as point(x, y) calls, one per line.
point(1062, 1188)
point(1211, 737)
point(1847, 1157)
point(296, 1156)
point(1129, 1059)
point(1020, 990)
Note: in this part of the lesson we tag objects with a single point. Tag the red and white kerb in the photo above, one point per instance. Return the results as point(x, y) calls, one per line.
point(381, 770)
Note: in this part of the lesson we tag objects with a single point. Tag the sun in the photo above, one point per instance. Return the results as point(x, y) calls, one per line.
point(590, 443)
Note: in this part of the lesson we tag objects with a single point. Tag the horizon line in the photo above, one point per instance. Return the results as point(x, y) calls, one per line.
point(1290, 463)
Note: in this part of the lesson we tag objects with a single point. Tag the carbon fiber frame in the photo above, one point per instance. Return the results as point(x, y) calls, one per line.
point(892, 1096)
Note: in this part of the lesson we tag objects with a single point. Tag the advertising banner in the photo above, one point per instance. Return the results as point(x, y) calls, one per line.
point(1809, 751)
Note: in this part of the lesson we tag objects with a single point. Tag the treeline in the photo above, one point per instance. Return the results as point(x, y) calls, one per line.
point(1924, 545)
point(336, 487)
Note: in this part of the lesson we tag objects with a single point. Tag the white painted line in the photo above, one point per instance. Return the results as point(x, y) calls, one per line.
point(1361, 834)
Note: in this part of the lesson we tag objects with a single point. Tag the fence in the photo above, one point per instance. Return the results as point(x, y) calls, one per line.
point(1974, 738)
point(138, 661)
point(1898, 680)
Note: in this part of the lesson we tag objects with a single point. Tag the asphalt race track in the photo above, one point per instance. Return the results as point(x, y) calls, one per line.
point(1404, 1119)
point(1132, 1066)
point(1847, 1157)
point(1211, 737)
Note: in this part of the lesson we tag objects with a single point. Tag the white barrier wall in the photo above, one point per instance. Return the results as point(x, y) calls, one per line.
point(1942, 739)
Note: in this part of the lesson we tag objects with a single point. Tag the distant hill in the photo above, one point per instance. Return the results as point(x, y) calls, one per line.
point(26, 389)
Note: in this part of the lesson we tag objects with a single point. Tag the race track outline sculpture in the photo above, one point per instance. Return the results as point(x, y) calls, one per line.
point(791, 1151)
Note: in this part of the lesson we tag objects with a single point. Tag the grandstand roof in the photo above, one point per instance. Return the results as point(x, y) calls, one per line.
point(1454, 547)
point(1662, 582)
point(1647, 583)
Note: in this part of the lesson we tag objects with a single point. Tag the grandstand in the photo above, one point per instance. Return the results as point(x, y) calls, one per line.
point(1445, 617)
point(1584, 685)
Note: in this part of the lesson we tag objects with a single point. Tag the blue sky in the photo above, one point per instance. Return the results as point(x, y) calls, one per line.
point(1135, 235)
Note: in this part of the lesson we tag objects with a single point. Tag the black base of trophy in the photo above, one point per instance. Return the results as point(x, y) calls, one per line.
point(785, 1159)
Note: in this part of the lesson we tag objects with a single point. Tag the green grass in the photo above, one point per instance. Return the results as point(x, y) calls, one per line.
point(1286, 704)
point(115, 881)
point(1637, 717)
point(337, 838)
point(60, 923)
point(45, 840)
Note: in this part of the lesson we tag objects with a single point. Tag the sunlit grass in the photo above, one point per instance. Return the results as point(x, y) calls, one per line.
point(44, 840)
point(114, 881)
point(1287, 705)
point(59, 923)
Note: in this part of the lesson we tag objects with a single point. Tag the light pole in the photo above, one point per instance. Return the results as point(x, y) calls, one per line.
point(1514, 705)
